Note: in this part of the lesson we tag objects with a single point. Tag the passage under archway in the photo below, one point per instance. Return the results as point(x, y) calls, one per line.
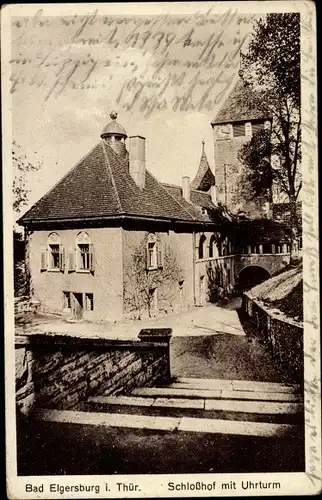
point(251, 276)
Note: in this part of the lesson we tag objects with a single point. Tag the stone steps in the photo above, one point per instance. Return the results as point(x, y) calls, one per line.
point(205, 406)
point(241, 385)
point(201, 393)
point(257, 411)
point(265, 407)
point(169, 424)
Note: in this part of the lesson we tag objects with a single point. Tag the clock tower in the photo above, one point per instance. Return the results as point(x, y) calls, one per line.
point(240, 117)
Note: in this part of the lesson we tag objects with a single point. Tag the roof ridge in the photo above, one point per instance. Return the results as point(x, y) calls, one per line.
point(200, 192)
point(169, 194)
point(170, 185)
point(108, 167)
point(58, 182)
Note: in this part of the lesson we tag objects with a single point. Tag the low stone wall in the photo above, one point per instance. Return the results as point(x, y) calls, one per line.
point(282, 335)
point(57, 371)
point(25, 304)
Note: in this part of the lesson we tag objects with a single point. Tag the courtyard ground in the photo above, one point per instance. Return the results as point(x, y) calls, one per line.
point(209, 342)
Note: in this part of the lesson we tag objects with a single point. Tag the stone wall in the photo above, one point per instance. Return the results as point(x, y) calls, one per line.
point(282, 335)
point(25, 304)
point(56, 371)
point(239, 195)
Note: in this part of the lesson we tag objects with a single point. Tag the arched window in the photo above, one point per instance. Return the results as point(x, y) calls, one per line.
point(202, 246)
point(84, 254)
point(212, 244)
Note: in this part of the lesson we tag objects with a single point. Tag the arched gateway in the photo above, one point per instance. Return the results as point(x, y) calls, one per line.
point(251, 276)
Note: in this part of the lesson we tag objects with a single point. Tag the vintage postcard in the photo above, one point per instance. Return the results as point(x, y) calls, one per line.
point(160, 186)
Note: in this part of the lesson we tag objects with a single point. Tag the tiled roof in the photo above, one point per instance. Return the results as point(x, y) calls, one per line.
point(199, 200)
point(204, 178)
point(242, 104)
point(100, 185)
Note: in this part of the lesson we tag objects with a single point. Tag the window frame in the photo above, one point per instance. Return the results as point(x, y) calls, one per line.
point(47, 254)
point(154, 253)
point(83, 240)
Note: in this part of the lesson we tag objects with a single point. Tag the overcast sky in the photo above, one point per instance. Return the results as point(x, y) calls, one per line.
point(166, 75)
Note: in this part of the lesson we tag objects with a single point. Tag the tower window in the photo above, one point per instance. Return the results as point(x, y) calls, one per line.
point(239, 129)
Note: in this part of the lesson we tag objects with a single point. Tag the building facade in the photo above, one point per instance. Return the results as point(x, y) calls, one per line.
point(110, 241)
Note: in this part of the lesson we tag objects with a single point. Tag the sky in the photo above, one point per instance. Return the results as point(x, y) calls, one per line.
point(166, 73)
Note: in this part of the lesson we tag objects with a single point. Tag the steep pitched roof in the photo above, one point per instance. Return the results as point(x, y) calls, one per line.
point(242, 104)
point(204, 178)
point(101, 186)
point(199, 200)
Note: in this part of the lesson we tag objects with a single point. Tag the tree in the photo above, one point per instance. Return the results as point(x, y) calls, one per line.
point(139, 281)
point(21, 168)
point(271, 67)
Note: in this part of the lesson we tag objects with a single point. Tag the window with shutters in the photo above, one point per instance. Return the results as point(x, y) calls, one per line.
point(83, 260)
point(239, 129)
point(52, 254)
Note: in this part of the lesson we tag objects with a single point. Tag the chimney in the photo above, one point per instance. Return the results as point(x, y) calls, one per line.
point(213, 194)
point(137, 159)
point(186, 188)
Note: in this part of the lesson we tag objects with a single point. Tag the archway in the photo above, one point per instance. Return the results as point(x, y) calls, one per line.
point(251, 276)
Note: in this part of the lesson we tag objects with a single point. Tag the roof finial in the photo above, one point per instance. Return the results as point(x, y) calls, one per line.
point(113, 115)
point(203, 145)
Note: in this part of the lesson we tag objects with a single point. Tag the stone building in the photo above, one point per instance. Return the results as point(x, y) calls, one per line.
point(110, 241)
point(241, 115)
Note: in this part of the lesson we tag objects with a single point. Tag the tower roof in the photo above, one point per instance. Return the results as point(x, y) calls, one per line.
point(113, 128)
point(204, 178)
point(242, 104)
